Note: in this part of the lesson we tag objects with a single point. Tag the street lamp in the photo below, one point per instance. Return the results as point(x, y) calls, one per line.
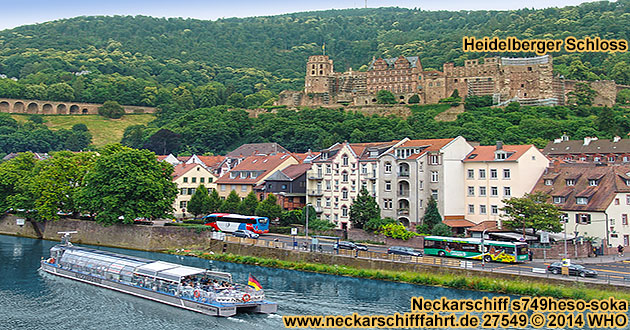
point(306, 229)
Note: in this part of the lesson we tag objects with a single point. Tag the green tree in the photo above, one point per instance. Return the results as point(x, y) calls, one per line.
point(127, 182)
point(235, 100)
point(441, 229)
point(214, 203)
point(60, 92)
point(231, 203)
point(606, 121)
point(414, 99)
point(249, 204)
point(363, 209)
point(291, 217)
point(269, 208)
point(111, 109)
point(163, 142)
point(532, 211)
point(376, 224)
point(623, 97)
point(15, 182)
point(57, 180)
point(385, 97)
point(199, 202)
point(582, 95)
point(431, 216)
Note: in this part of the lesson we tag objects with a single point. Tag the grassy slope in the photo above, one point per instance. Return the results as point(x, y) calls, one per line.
point(103, 130)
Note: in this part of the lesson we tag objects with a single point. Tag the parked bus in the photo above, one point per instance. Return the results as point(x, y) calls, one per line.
point(470, 248)
point(230, 223)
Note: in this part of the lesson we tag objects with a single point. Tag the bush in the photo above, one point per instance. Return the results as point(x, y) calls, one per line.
point(111, 109)
point(376, 224)
point(398, 231)
point(414, 99)
point(36, 118)
point(441, 229)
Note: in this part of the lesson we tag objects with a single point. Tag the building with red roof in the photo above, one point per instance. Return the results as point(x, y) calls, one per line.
point(498, 172)
point(188, 177)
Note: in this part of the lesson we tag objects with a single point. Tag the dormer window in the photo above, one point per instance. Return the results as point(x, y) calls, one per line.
point(500, 156)
point(570, 182)
point(558, 199)
point(324, 155)
point(254, 174)
point(548, 182)
point(243, 175)
point(593, 182)
point(233, 175)
point(581, 200)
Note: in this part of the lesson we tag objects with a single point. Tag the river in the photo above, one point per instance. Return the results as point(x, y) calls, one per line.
point(32, 300)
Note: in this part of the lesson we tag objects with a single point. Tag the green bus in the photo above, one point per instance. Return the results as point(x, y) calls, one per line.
point(470, 248)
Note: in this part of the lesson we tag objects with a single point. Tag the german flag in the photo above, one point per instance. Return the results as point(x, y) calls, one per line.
point(253, 282)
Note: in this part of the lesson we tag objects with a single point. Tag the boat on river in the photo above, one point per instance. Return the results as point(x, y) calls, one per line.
point(200, 290)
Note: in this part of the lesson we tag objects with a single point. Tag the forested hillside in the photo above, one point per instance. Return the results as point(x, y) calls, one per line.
point(193, 63)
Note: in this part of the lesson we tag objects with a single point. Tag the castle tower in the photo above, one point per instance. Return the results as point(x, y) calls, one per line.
point(318, 69)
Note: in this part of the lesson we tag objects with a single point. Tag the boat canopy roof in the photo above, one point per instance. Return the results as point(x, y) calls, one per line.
point(118, 263)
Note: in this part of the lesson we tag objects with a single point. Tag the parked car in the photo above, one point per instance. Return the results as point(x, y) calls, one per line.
point(576, 270)
point(403, 250)
point(142, 221)
point(245, 234)
point(350, 246)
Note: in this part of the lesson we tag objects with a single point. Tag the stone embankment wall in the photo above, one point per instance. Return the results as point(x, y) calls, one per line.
point(60, 108)
point(164, 238)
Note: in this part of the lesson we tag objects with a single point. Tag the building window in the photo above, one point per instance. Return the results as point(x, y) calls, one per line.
point(482, 173)
point(506, 173)
point(233, 175)
point(185, 180)
point(548, 182)
point(344, 176)
point(570, 182)
point(344, 160)
point(592, 182)
point(344, 193)
point(558, 199)
point(344, 211)
point(471, 191)
point(434, 194)
point(387, 203)
point(234, 187)
point(388, 186)
point(482, 209)
point(581, 200)
point(494, 191)
point(328, 169)
point(182, 191)
point(434, 176)
point(388, 167)
point(493, 173)
point(583, 218)
point(202, 180)
point(244, 187)
point(364, 169)
point(434, 159)
point(616, 201)
point(183, 204)
point(482, 191)
point(222, 187)
point(627, 199)
point(471, 174)
point(471, 209)
point(494, 210)
point(193, 180)
point(507, 191)
point(624, 219)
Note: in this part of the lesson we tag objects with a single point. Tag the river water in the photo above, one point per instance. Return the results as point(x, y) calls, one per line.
point(32, 300)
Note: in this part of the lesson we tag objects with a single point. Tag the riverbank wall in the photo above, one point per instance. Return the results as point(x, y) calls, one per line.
point(148, 238)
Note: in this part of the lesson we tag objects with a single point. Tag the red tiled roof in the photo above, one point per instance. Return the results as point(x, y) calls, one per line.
point(262, 164)
point(212, 161)
point(610, 182)
point(294, 171)
point(459, 223)
point(161, 157)
point(182, 169)
point(486, 153)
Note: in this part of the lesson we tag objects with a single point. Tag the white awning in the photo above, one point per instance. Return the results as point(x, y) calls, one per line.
point(513, 236)
point(154, 267)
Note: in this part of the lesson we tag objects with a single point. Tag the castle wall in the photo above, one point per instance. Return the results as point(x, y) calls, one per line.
point(60, 108)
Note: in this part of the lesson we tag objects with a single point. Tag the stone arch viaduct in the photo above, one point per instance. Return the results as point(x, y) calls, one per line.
point(60, 108)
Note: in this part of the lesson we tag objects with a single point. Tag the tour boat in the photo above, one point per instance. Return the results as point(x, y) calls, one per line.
point(200, 290)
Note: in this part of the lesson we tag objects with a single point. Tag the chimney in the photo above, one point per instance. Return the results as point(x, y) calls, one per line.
point(499, 145)
point(564, 137)
point(587, 140)
point(616, 139)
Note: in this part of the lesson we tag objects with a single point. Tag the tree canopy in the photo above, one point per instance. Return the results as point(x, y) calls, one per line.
point(532, 211)
point(363, 209)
